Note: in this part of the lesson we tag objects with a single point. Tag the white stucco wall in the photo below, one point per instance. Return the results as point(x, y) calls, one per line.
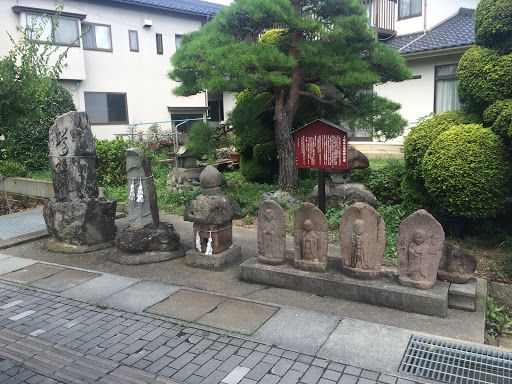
point(416, 95)
point(437, 11)
point(141, 75)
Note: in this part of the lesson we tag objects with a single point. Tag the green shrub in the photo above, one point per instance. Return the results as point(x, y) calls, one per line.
point(275, 37)
point(11, 168)
point(415, 196)
point(484, 77)
point(493, 25)
point(392, 216)
point(253, 170)
point(360, 175)
point(499, 117)
point(265, 152)
point(111, 161)
point(467, 173)
point(385, 183)
point(423, 135)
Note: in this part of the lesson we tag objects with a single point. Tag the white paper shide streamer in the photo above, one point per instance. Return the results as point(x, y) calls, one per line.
point(209, 248)
point(198, 241)
point(132, 191)
point(140, 193)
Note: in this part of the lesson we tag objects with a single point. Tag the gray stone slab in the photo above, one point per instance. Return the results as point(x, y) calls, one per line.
point(366, 345)
point(463, 296)
point(297, 329)
point(140, 296)
point(64, 280)
point(3, 257)
point(13, 264)
point(99, 288)
point(238, 316)
point(384, 291)
point(187, 305)
point(32, 273)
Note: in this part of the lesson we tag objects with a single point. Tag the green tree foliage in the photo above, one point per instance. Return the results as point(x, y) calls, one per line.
point(493, 25)
point(203, 138)
point(466, 173)
point(499, 117)
point(327, 42)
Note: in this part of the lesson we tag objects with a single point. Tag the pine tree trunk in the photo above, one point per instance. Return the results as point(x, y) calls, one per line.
point(288, 174)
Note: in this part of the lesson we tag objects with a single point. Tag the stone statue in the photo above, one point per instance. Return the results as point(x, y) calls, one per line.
point(456, 266)
point(271, 233)
point(146, 240)
point(420, 241)
point(78, 219)
point(310, 237)
point(362, 241)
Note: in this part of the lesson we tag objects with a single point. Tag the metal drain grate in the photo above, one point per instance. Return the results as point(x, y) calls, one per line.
point(456, 363)
point(21, 224)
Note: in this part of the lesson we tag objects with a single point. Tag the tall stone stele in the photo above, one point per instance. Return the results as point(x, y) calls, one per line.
point(271, 233)
point(76, 217)
point(212, 214)
point(362, 241)
point(420, 240)
point(146, 240)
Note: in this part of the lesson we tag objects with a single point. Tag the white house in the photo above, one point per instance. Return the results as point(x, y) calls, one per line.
point(431, 35)
point(117, 71)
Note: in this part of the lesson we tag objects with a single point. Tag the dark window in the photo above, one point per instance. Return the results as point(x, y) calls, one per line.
point(184, 126)
point(216, 112)
point(159, 44)
point(177, 41)
point(408, 8)
point(98, 37)
point(134, 41)
point(62, 31)
point(106, 108)
point(445, 94)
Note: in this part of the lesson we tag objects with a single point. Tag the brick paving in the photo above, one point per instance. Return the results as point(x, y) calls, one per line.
point(45, 338)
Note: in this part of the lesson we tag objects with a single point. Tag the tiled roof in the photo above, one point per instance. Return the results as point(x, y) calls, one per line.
point(457, 31)
point(197, 7)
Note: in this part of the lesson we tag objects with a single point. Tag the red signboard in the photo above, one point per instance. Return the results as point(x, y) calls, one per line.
point(320, 145)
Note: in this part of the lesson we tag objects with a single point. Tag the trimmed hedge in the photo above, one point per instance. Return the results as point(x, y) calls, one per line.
point(466, 172)
point(493, 25)
point(416, 196)
point(484, 77)
point(422, 136)
point(499, 117)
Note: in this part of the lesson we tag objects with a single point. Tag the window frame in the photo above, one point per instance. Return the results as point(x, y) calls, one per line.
point(93, 29)
point(136, 40)
point(74, 43)
point(443, 77)
point(159, 44)
point(106, 98)
point(410, 16)
point(177, 41)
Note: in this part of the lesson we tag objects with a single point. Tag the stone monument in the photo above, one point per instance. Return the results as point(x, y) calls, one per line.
point(76, 217)
point(212, 214)
point(146, 240)
point(185, 177)
point(311, 235)
point(420, 241)
point(455, 266)
point(271, 233)
point(362, 241)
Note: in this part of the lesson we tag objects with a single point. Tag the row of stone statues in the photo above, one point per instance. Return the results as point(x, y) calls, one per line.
point(362, 233)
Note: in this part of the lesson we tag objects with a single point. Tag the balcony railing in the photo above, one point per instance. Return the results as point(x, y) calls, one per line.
point(382, 14)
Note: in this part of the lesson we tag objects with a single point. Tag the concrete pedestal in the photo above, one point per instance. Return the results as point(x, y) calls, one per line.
point(463, 296)
point(215, 262)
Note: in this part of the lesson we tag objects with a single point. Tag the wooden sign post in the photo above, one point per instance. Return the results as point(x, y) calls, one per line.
point(322, 145)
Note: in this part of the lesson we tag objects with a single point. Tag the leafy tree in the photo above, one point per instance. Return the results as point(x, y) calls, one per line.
point(326, 42)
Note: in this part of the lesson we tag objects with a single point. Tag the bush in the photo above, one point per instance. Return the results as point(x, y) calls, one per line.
point(253, 170)
point(423, 135)
point(392, 216)
point(467, 172)
point(385, 183)
point(493, 25)
point(415, 196)
point(360, 175)
point(484, 77)
point(499, 117)
point(111, 161)
point(11, 168)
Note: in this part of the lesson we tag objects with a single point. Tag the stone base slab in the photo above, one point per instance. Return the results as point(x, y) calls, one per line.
point(135, 258)
point(54, 245)
point(463, 296)
point(384, 291)
point(215, 262)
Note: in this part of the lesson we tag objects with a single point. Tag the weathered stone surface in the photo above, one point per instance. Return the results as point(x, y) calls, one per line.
point(463, 296)
point(72, 157)
point(216, 210)
point(161, 239)
point(271, 233)
point(282, 197)
point(420, 241)
point(357, 159)
point(310, 239)
point(137, 258)
point(362, 241)
point(141, 214)
point(210, 180)
point(215, 262)
point(184, 179)
point(337, 195)
point(220, 238)
point(455, 266)
point(81, 221)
